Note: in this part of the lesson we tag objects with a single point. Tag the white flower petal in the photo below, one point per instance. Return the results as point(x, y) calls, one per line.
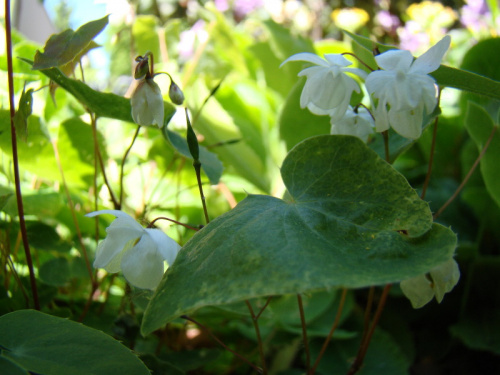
point(122, 230)
point(381, 117)
point(167, 247)
point(407, 123)
point(155, 103)
point(395, 60)
point(359, 124)
point(306, 56)
point(431, 59)
point(337, 59)
point(142, 265)
point(147, 104)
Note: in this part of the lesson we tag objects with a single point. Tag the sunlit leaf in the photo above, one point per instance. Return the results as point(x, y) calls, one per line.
point(22, 114)
point(351, 221)
point(102, 104)
point(62, 48)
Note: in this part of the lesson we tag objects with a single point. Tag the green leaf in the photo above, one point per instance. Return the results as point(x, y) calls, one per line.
point(483, 59)
point(49, 345)
point(445, 75)
point(10, 367)
point(64, 47)
point(102, 104)
point(210, 164)
point(22, 114)
point(479, 124)
point(342, 227)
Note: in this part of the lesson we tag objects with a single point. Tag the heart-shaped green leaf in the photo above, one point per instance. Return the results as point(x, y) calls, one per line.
point(351, 221)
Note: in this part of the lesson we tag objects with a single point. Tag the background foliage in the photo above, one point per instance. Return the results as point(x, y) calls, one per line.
point(246, 128)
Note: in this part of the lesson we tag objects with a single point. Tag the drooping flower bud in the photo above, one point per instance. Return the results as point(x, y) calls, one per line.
point(147, 104)
point(175, 93)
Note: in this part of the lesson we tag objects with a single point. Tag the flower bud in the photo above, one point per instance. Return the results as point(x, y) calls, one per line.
point(147, 104)
point(175, 93)
point(142, 68)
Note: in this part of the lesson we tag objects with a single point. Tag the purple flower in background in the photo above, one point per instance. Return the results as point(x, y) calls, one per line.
point(243, 7)
point(221, 5)
point(412, 38)
point(474, 15)
point(388, 21)
point(188, 38)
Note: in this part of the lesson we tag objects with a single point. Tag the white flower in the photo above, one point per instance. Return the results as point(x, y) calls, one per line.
point(404, 90)
point(359, 124)
point(440, 280)
point(139, 252)
point(147, 103)
point(328, 88)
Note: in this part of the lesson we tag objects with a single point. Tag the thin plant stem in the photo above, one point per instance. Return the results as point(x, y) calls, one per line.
point(98, 159)
point(73, 214)
point(259, 337)
point(304, 332)
point(431, 156)
point(197, 169)
point(358, 361)
point(332, 330)
point(173, 221)
point(194, 150)
point(469, 174)
point(361, 61)
point(368, 311)
point(256, 368)
point(385, 135)
point(122, 167)
point(264, 307)
point(17, 179)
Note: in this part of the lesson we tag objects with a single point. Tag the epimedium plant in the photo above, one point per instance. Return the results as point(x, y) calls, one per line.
point(347, 220)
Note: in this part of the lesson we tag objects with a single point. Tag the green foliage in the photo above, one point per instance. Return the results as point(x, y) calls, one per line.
point(481, 128)
point(336, 214)
point(45, 344)
point(341, 212)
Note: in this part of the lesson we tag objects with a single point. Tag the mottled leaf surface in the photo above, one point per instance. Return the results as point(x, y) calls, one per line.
point(352, 220)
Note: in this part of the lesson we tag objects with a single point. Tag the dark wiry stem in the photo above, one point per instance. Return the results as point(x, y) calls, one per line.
point(123, 164)
point(304, 332)
point(431, 156)
point(332, 330)
point(17, 179)
point(466, 179)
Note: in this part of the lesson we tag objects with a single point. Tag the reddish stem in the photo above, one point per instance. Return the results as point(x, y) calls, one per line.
point(17, 179)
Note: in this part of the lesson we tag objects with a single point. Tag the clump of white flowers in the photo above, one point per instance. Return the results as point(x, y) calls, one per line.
point(140, 253)
point(401, 91)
